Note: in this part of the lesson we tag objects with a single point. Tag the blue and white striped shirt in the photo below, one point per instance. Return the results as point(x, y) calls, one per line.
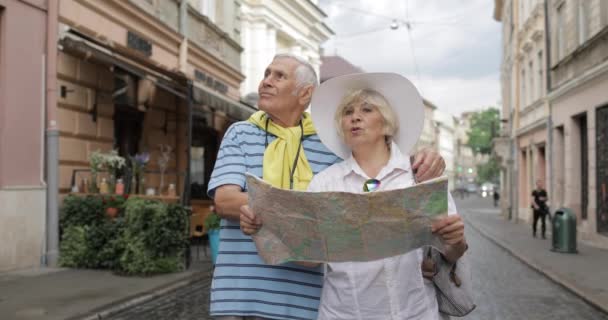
point(243, 285)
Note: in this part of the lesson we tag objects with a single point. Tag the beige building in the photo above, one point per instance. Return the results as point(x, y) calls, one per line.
point(523, 81)
point(123, 75)
point(428, 136)
point(465, 158)
point(270, 27)
point(23, 109)
point(558, 121)
point(578, 33)
point(445, 132)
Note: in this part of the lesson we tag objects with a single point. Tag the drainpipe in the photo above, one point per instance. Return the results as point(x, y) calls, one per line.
point(51, 254)
point(190, 102)
point(548, 88)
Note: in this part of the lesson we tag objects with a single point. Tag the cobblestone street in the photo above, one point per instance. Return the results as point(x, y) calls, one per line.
point(508, 289)
point(505, 289)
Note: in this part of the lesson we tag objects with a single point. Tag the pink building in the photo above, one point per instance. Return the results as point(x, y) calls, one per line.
point(23, 35)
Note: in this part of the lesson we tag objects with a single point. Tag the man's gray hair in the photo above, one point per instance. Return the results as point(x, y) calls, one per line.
point(305, 72)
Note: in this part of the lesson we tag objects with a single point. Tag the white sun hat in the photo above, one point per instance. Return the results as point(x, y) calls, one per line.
point(398, 91)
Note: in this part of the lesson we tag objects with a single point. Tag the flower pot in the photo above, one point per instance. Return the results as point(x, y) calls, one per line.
point(214, 243)
point(112, 212)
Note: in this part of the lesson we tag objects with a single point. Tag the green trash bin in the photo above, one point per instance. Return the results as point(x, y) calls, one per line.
point(564, 231)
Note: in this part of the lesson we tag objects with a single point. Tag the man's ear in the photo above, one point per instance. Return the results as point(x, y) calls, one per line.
point(305, 95)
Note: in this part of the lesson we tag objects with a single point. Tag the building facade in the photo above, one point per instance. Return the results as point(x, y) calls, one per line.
point(557, 136)
point(445, 128)
point(523, 81)
point(270, 27)
point(428, 136)
point(132, 76)
point(578, 33)
point(466, 159)
point(23, 59)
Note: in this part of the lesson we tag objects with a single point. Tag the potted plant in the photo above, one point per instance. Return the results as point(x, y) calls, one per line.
point(138, 164)
point(96, 162)
point(212, 224)
point(113, 204)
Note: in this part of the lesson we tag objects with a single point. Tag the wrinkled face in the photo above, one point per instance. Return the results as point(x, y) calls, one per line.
point(362, 124)
point(277, 89)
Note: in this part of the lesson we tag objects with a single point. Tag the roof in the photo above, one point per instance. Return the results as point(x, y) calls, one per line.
point(333, 66)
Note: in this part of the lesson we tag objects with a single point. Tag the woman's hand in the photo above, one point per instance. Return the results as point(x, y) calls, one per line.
point(250, 222)
point(451, 231)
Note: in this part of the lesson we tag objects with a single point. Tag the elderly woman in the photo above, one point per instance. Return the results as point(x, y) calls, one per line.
point(368, 120)
point(367, 134)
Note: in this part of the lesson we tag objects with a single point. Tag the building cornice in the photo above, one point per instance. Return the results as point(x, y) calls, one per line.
point(573, 84)
point(538, 124)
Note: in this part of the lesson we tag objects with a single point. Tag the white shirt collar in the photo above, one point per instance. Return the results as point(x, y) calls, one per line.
point(397, 161)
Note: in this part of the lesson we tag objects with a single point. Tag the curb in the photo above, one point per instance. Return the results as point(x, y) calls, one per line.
point(120, 305)
point(549, 274)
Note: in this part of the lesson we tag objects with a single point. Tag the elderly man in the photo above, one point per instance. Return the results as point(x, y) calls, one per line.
point(278, 143)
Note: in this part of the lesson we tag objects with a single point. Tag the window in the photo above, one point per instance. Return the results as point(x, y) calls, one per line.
point(203, 153)
point(559, 30)
point(583, 21)
point(520, 16)
point(522, 94)
point(208, 8)
point(531, 86)
point(539, 67)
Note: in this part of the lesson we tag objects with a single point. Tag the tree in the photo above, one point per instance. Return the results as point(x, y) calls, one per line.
point(489, 171)
point(484, 128)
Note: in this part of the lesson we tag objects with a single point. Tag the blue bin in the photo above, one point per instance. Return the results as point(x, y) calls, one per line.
point(214, 243)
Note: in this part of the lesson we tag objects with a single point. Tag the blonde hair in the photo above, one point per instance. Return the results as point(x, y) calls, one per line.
point(374, 98)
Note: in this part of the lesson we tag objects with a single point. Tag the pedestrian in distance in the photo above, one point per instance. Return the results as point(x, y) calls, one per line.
point(496, 197)
point(539, 208)
point(280, 144)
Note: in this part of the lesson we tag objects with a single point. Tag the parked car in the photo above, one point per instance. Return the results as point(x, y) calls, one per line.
point(471, 188)
point(487, 189)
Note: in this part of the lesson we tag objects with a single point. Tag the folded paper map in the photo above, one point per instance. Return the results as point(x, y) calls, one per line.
point(343, 226)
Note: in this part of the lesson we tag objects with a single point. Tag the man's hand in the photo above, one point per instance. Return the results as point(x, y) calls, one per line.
point(451, 231)
point(250, 222)
point(428, 164)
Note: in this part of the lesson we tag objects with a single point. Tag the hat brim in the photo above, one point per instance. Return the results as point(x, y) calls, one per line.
point(399, 92)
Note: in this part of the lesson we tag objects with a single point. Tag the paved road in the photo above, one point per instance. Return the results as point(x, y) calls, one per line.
point(508, 289)
point(505, 289)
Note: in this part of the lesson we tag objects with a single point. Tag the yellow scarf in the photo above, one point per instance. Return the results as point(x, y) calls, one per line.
point(280, 154)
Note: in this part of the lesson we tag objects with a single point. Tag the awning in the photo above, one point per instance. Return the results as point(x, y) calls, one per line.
point(234, 109)
point(172, 83)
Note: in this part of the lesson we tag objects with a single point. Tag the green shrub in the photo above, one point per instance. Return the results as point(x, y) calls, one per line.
point(74, 251)
point(81, 211)
point(150, 237)
point(154, 237)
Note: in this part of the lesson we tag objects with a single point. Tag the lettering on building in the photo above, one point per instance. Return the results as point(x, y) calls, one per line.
point(210, 82)
point(138, 43)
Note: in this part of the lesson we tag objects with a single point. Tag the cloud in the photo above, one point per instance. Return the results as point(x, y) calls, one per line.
point(451, 51)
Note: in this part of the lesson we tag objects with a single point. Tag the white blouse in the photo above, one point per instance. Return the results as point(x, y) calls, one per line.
point(390, 288)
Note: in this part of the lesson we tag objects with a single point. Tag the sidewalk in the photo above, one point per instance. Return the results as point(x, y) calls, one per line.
point(585, 273)
point(53, 294)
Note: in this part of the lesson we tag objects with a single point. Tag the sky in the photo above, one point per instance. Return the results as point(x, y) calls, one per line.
point(451, 52)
